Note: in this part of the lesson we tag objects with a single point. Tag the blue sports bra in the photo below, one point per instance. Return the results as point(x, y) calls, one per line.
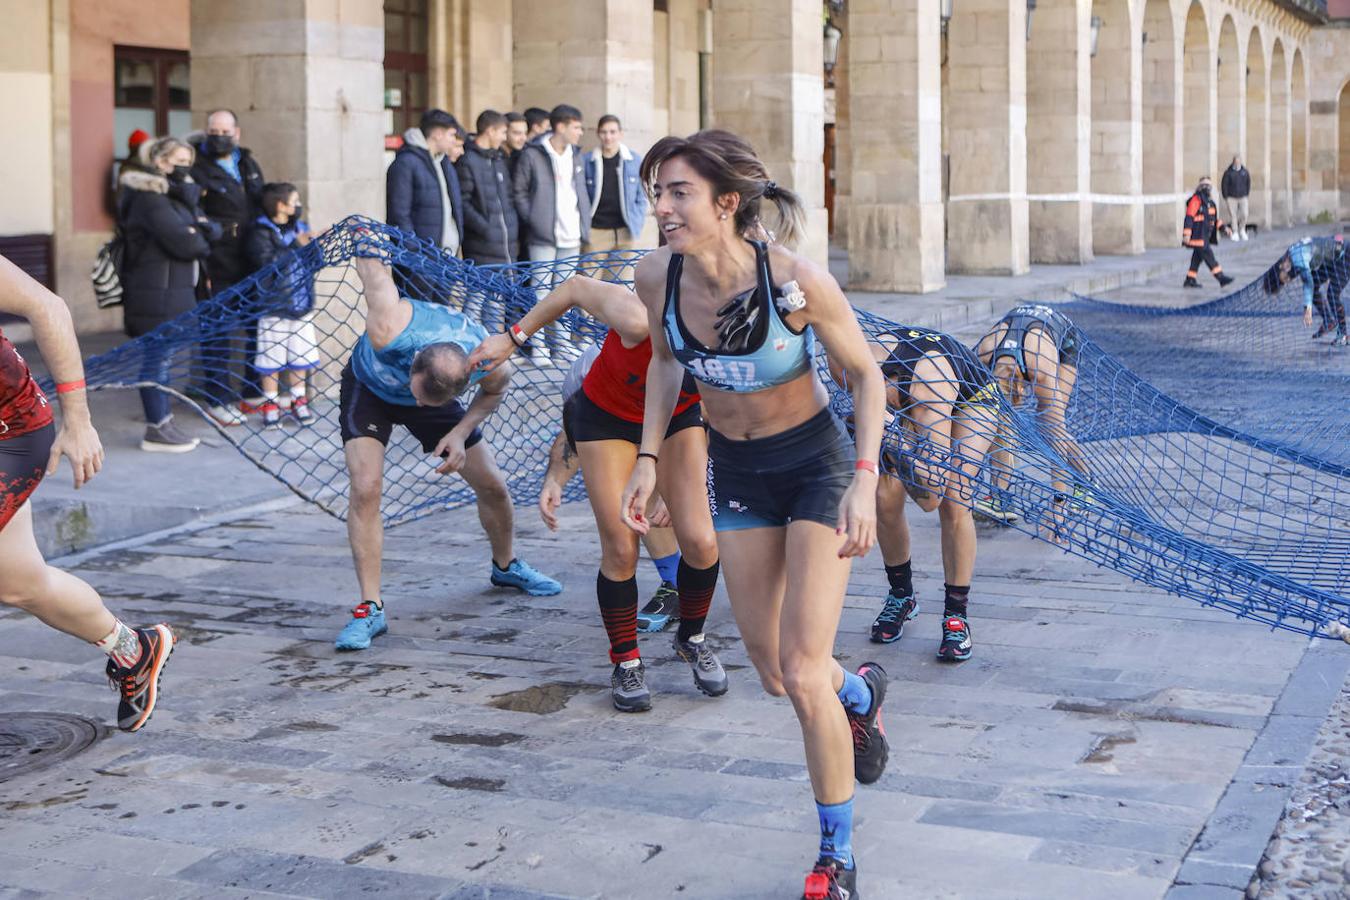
point(773, 354)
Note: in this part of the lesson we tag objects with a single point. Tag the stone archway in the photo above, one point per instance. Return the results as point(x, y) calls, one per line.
point(1160, 112)
point(1197, 68)
point(1258, 129)
point(1059, 212)
point(1281, 207)
point(1298, 138)
point(1117, 215)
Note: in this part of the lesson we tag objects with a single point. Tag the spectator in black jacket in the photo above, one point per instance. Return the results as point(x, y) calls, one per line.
point(422, 190)
point(536, 123)
point(232, 183)
point(1235, 187)
point(490, 224)
point(517, 134)
point(167, 241)
point(288, 345)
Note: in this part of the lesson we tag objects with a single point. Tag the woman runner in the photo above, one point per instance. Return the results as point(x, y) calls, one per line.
point(606, 423)
point(1033, 353)
point(791, 506)
point(947, 406)
point(31, 447)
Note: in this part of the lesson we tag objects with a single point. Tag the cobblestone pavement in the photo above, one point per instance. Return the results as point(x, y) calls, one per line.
point(473, 752)
point(1309, 854)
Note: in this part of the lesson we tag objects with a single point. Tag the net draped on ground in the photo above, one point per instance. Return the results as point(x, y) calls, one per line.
point(1238, 498)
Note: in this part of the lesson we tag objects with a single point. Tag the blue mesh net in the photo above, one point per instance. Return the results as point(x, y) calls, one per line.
point(1172, 494)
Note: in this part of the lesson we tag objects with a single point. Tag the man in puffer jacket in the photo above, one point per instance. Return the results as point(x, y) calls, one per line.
point(490, 223)
point(421, 188)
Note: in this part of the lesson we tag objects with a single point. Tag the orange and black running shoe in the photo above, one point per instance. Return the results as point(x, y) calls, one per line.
point(138, 685)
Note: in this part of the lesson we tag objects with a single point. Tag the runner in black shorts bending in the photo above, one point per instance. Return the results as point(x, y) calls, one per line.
point(31, 447)
point(408, 369)
point(946, 408)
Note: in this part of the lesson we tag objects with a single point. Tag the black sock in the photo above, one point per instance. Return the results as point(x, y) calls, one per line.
point(901, 578)
point(618, 609)
point(696, 587)
point(502, 568)
point(954, 602)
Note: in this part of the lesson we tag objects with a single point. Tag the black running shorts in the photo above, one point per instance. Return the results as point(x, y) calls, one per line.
point(363, 413)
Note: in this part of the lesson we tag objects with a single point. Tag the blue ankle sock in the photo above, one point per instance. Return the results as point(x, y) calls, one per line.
point(855, 694)
point(668, 566)
point(836, 830)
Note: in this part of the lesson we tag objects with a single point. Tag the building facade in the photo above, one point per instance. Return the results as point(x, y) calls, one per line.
point(928, 137)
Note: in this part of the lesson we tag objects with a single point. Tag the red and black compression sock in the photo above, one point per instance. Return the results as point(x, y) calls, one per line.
point(696, 587)
point(618, 607)
point(954, 601)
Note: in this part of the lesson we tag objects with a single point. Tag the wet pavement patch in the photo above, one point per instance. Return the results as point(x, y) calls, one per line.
point(1103, 747)
point(540, 699)
point(30, 741)
point(472, 783)
point(500, 739)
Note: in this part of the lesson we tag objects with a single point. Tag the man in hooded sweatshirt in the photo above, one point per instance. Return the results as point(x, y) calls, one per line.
point(421, 187)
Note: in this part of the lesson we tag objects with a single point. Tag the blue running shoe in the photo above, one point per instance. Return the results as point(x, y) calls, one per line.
point(890, 622)
point(661, 610)
point(367, 623)
point(522, 576)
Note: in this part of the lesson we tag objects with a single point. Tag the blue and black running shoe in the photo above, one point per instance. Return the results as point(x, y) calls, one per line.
point(522, 576)
point(890, 622)
point(367, 623)
point(956, 643)
point(661, 610)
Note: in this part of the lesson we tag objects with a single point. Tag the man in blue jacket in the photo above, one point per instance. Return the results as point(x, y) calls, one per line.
point(421, 187)
point(618, 202)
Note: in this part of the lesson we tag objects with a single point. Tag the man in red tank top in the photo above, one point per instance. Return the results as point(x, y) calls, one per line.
point(31, 447)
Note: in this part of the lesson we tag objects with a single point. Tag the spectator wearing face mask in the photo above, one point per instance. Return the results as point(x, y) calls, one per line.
point(167, 240)
point(231, 182)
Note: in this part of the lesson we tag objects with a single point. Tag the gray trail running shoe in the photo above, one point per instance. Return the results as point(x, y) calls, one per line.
point(709, 676)
point(628, 687)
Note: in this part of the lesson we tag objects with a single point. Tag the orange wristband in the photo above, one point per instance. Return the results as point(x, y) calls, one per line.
point(66, 387)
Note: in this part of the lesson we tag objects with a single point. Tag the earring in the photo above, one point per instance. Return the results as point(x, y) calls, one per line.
point(723, 216)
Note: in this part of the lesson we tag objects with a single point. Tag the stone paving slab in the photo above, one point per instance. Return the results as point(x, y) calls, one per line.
point(1078, 754)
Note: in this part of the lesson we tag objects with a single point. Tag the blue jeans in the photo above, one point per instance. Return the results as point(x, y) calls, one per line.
point(155, 367)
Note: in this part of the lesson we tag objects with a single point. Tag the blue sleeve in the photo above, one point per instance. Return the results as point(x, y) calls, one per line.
point(1298, 255)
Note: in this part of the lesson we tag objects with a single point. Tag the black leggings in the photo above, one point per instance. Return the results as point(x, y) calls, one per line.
point(1332, 307)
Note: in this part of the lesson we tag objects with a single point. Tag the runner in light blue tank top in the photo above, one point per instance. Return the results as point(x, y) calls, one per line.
point(388, 371)
point(780, 357)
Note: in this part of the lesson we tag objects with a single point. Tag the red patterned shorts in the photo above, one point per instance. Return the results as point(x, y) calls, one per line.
point(23, 462)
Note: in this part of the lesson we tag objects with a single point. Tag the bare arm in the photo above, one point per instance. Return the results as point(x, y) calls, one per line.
point(835, 323)
point(386, 313)
point(563, 464)
point(612, 304)
point(491, 392)
point(54, 332)
point(664, 377)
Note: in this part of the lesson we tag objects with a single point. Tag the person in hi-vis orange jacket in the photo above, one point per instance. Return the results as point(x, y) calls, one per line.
point(1199, 229)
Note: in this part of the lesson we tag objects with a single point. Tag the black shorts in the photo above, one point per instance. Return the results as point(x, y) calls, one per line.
point(584, 420)
point(363, 413)
point(23, 462)
point(801, 473)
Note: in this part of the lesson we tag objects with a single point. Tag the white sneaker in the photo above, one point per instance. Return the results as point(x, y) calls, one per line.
point(226, 416)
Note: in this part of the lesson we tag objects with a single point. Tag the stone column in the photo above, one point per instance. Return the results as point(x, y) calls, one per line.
point(895, 218)
point(1059, 108)
point(306, 78)
point(1117, 165)
point(1161, 114)
point(768, 87)
point(843, 142)
point(594, 54)
point(987, 118)
point(470, 55)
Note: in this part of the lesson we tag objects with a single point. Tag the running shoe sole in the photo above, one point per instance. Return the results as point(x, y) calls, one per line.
point(158, 447)
point(167, 643)
point(632, 706)
point(655, 624)
point(533, 592)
